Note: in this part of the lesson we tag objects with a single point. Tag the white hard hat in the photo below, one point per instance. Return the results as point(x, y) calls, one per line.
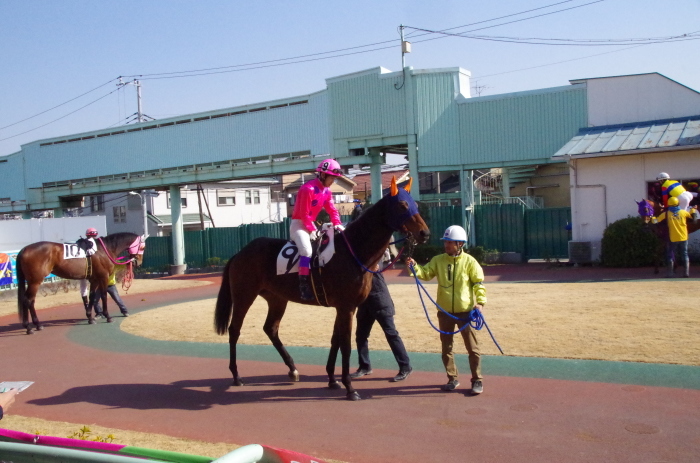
point(454, 233)
point(662, 176)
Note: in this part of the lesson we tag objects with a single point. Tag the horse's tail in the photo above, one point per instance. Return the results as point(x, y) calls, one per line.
point(21, 289)
point(224, 304)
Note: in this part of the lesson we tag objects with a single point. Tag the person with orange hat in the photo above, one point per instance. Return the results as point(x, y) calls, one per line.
point(677, 219)
point(313, 196)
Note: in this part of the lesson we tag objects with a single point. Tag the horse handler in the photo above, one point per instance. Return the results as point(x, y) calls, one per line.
point(380, 308)
point(460, 290)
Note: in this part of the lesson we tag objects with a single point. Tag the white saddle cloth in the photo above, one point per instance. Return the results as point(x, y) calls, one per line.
point(288, 258)
point(73, 251)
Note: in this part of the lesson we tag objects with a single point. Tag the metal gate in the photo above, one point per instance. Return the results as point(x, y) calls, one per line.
point(534, 233)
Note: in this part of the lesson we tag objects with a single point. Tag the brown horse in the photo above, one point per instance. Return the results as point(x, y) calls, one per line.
point(345, 281)
point(36, 261)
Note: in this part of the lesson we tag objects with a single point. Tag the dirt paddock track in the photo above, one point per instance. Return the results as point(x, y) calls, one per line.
point(534, 311)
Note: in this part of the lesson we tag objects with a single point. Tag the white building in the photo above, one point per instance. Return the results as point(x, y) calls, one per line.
point(224, 204)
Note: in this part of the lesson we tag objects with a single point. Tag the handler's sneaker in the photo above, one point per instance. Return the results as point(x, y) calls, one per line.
point(451, 385)
point(477, 387)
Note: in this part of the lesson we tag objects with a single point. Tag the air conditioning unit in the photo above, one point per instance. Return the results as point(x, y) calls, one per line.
point(580, 252)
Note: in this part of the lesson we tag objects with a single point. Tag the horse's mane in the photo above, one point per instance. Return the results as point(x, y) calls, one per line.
point(116, 239)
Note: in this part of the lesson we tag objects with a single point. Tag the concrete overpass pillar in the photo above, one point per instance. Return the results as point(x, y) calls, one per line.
point(178, 234)
point(58, 213)
point(26, 215)
point(375, 173)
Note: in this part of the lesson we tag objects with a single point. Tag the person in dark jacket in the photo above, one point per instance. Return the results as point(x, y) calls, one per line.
point(380, 308)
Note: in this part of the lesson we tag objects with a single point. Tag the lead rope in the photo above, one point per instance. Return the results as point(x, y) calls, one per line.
point(352, 253)
point(476, 318)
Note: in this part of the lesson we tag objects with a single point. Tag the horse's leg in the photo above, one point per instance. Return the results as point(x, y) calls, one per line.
point(330, 365)
point(92, 303)
point(276, 308)
point(240, 309)
point(32, 289)
point(344, 335)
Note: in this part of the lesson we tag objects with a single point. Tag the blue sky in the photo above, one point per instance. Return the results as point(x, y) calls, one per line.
point(53, 51)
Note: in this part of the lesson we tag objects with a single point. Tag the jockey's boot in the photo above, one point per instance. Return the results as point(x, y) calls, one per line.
point(305, 287)
point(85, 302)
point(669, 269)
point(686, 273)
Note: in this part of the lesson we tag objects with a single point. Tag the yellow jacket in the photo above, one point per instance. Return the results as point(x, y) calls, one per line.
point(460, 281)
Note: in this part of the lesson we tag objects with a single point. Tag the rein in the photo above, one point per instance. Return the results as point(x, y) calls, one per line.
point(476, 318)
point(129, 274)
point(393, 261)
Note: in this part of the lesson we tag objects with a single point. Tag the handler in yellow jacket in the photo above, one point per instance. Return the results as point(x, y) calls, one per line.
point(460, 289)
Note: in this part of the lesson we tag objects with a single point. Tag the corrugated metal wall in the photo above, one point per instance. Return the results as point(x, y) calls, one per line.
point(546, 236)
point(528, 126)
point(500, 227)
point(534, 233)
point(437, 118)
point(441, 217)
point(367, 105)
point(302, 127)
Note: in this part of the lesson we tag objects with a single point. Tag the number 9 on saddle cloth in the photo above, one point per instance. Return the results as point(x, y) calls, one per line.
point(323, 246)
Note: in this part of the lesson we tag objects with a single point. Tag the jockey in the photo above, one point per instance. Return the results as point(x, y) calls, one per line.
point(674, 189)
point(313, 195)
point(91, 234)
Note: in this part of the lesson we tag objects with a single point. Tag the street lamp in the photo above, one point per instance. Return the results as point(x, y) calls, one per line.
point(142, 195)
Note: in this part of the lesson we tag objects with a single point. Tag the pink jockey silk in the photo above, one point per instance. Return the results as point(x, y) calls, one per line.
point(311, 198)
point(137, 247)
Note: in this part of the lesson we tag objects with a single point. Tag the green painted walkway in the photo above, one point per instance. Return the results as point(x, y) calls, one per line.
point(104, 336)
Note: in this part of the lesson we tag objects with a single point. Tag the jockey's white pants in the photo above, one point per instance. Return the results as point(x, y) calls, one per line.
point(301, 237)
point(84, 285)
point(684, 200)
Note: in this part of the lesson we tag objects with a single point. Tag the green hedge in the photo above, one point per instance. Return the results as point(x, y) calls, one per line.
point(629, 243)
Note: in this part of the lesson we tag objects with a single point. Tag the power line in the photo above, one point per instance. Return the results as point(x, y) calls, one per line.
point(335, 53)
point(59, 105)
point(570, 42)
point(59, 118)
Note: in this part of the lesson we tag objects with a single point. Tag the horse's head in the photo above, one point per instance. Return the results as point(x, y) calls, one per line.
point(136, 250)
point(403, 213)
point(645, 210)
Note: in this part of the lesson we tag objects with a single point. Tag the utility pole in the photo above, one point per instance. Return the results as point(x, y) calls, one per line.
point(138, 97)
point(136, 84)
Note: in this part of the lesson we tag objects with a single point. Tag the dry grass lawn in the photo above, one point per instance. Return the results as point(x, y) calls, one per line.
point(638, 321)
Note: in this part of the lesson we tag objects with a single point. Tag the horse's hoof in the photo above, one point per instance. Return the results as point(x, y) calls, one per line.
point(334, 385)
point(39, 328)
point(109, 319)
point(294, 376)
point(354, 396)
point(29, 331)
point(91, 321)
point(237, 382)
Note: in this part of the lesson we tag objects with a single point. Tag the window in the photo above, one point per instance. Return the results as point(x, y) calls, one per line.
point(119, 214)
point(256, 196)
point(97, 203)
point(183, 201)
point(248, 197)
point(226, 197)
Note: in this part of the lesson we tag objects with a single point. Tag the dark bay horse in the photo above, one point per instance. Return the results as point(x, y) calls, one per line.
point(252, 273)
point(37, 260)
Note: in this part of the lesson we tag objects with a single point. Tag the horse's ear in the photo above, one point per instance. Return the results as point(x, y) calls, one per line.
point(394, 188)
point(407, 187)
